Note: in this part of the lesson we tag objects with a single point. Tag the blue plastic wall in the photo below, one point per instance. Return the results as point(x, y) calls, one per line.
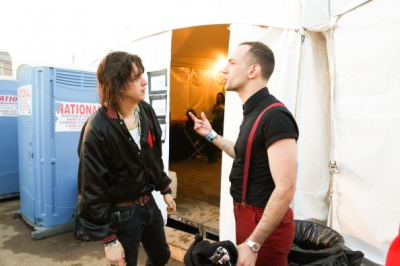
point(53, 105)
point(9, 171)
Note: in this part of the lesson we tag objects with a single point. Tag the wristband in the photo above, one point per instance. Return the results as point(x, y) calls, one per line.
point(211, 136)
point(109, 238)
point(169, 191)
point(112, 244)
point(166, 190)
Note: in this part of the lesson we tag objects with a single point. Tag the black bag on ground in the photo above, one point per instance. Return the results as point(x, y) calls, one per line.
point(204, 253)
point(316, 244)
point(349, 258)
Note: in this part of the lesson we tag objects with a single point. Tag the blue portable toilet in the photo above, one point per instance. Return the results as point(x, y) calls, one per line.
point(9, 170)
point(53, 105)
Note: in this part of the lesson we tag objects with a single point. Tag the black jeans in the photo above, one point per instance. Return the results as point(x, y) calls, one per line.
point(144, 224)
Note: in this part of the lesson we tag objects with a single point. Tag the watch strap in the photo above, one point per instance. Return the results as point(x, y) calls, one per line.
point(112, 244)
point(211, 136)
point(254, 246)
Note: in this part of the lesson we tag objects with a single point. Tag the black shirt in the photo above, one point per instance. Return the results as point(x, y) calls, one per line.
point(277, 123)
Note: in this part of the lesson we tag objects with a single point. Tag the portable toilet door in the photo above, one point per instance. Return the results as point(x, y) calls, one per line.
point(53, 105)
point(9, 170)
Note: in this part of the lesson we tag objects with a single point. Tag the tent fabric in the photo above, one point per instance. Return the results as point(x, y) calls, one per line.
point(195, 89)
point(315, 14)
point(313, 117)
point(366, 206)
point(161, 16)
point(340, 7)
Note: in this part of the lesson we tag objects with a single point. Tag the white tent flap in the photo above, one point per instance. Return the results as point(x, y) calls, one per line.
point(366, 208)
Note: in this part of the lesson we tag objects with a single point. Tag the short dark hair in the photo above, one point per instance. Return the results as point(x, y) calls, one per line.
point(261, 54)
point(113, 74)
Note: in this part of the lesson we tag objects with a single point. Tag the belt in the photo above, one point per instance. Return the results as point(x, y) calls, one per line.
point(142, 200)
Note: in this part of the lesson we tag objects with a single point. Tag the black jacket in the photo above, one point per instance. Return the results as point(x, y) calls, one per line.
point(113, 169)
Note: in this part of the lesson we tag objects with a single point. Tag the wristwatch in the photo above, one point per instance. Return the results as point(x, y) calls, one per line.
point(112, 244)
point(255, 247)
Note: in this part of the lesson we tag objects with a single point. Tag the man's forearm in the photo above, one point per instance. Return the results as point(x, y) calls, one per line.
point(224, 145)
point(274, 212)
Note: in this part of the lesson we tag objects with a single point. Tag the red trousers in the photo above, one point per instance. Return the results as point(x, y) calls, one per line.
point(276, 248)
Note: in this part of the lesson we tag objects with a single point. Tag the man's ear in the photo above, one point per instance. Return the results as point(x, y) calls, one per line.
point(254, 71)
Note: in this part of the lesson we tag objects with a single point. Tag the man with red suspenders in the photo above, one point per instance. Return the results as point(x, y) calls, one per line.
point(263, 175)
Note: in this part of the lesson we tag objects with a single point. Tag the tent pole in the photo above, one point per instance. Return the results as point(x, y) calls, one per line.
point(333, 167)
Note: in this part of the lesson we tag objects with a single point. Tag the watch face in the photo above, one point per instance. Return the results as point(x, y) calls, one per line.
point(255, 247)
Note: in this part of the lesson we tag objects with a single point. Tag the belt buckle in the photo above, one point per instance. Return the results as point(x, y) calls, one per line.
point(244, 204)
point(141, 201)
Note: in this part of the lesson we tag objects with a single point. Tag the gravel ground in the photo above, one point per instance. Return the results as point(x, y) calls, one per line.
point(17, 247)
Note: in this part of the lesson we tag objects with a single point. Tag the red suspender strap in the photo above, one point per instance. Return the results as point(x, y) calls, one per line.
point(248, 151)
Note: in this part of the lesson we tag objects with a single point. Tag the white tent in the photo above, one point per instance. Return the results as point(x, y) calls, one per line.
point(337, 71)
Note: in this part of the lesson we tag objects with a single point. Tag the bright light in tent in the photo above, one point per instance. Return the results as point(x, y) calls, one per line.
point(220, 65)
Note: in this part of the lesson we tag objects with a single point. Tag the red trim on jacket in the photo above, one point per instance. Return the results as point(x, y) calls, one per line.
point(109, 238)
point(165, 190)
point(112, 113)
